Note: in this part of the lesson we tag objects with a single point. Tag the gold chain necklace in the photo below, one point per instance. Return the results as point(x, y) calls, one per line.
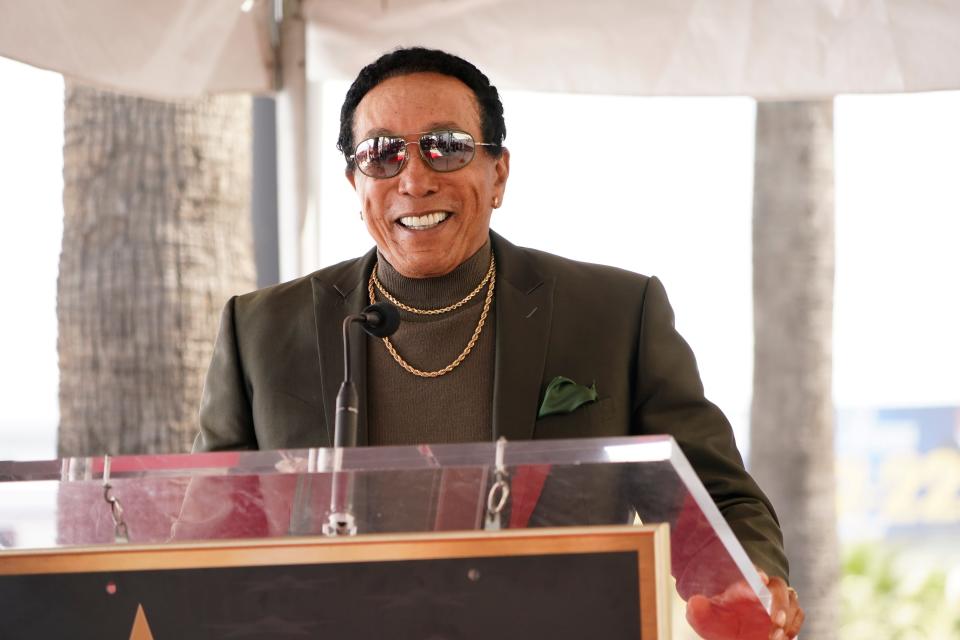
point(431, 312)
point(491, 277)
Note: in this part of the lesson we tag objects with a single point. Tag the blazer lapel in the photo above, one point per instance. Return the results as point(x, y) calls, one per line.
point(524, 315)
point(336, 295)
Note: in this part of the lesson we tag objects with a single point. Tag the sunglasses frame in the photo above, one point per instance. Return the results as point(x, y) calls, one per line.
point(418, 141)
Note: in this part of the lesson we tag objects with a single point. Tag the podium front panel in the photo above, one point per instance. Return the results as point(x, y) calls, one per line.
point(270, 494)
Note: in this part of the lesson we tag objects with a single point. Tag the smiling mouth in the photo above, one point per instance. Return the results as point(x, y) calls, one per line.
point(427, 221)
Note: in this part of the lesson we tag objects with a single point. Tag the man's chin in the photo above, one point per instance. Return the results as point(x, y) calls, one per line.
point(426, 264)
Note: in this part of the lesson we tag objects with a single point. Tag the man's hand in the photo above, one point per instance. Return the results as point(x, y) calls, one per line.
point(736, 614)
point(785, 612)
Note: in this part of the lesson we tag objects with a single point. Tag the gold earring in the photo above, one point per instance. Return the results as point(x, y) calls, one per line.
point(496, 202)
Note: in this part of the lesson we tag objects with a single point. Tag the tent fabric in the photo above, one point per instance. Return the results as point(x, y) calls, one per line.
point(165, 49)
point(768, 49)
point(774, 49)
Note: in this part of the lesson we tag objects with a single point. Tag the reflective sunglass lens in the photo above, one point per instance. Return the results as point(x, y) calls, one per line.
point(381, 157)
point(447, 150)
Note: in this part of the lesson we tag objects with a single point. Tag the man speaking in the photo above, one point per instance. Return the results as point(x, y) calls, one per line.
point(491, 334)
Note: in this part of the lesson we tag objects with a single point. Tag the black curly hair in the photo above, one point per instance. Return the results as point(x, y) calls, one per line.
point(401, 62)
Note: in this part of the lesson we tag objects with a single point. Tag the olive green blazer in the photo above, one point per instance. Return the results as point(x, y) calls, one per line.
point(278, 362)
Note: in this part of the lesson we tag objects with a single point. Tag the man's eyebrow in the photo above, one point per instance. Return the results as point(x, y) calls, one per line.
point(380, 131)
point(433, 126)
point(446, 124)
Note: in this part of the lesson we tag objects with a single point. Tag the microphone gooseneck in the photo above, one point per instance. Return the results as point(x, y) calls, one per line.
point(379, 320)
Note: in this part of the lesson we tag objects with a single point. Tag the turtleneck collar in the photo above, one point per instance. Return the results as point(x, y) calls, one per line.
point(429, 293)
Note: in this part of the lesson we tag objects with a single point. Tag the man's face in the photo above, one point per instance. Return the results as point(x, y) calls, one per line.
point(413, 104)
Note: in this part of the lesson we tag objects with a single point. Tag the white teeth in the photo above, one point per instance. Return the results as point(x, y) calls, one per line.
point(425, 221)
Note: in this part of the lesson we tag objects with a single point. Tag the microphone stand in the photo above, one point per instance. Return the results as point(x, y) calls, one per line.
point(379, 320)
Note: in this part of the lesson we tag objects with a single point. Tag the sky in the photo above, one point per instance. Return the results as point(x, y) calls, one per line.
point(661, 186)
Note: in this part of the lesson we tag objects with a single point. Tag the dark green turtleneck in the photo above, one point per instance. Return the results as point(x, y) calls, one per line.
point(456, 407)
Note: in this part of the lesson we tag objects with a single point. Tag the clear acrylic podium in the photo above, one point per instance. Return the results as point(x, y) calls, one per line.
point(264, 495)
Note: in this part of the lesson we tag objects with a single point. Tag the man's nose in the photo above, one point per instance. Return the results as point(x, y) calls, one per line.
point(417, 179)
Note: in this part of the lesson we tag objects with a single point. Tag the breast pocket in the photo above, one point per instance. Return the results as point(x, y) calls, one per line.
point(594, 420)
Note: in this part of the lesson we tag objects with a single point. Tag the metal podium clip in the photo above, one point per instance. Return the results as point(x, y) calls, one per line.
point(500, 491)
point(120, 531)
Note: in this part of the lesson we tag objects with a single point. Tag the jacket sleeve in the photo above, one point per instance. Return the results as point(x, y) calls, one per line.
point(670, 400)
point(226, 419)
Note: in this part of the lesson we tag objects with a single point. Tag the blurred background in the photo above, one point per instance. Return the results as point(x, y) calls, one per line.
point(803, 214)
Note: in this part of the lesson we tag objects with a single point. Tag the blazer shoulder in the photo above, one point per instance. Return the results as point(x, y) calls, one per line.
point(579, 274)
point(300, 290)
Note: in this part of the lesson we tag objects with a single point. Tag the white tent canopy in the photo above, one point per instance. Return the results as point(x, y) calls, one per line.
point(164, 49)
point(774, 49)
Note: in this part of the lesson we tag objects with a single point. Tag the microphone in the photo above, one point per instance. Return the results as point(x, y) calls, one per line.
point(379, 320)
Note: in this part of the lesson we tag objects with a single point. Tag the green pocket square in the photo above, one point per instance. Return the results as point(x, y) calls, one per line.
point(563, 395)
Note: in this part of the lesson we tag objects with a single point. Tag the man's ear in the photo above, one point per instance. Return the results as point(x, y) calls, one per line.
point(502, 167)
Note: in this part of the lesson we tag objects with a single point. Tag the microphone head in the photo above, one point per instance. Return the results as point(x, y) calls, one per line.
point(381, 319)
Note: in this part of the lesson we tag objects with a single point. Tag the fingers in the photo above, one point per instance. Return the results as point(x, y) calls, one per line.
point(786, 614)
point(698, 608)
point(735, 613)
point(778, 610)
point(781, 610)
point(796, 621)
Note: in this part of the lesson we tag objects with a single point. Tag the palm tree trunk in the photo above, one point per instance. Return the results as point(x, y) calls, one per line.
point(156, 236)
point(791, 441)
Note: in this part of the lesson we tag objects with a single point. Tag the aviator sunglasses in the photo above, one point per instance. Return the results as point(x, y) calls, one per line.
point(444, 151)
